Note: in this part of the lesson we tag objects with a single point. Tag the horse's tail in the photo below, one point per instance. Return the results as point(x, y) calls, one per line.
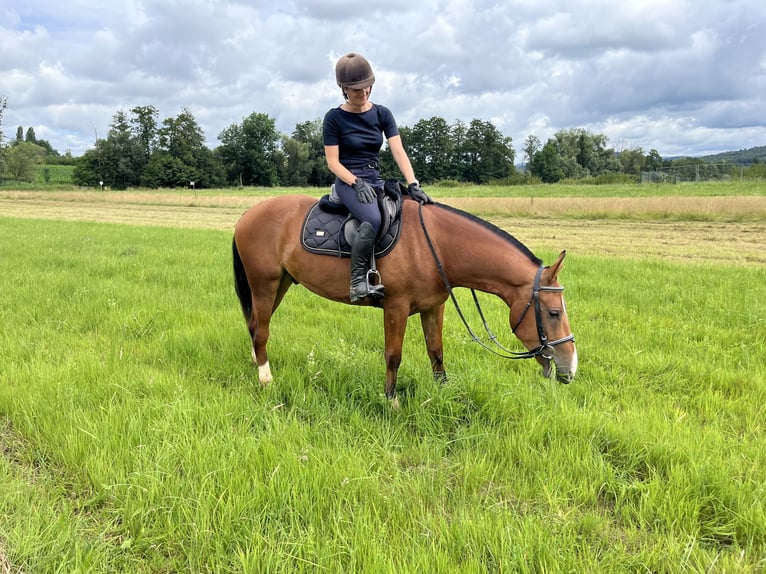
point(241, 286)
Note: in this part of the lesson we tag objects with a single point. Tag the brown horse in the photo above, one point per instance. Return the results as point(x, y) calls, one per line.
point(439, 248)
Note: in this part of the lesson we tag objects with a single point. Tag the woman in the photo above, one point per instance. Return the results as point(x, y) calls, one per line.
point(353, 135)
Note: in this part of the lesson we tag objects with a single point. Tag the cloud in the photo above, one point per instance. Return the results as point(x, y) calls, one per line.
point(682, 78)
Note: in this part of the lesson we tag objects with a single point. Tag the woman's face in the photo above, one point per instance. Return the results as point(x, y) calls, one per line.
point(358, 97)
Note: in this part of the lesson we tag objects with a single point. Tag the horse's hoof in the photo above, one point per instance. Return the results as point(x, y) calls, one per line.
point(264, 374)
point(395, 403)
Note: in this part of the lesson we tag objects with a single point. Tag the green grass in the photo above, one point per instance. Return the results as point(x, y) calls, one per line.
point(55, 174)
point(135, 437)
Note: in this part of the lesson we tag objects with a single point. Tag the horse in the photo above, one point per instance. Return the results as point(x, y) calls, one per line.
point(449, 248)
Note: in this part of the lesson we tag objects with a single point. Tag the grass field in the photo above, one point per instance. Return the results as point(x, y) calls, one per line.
point(135, 438)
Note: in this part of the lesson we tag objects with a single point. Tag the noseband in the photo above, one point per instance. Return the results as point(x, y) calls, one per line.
point(544, 349)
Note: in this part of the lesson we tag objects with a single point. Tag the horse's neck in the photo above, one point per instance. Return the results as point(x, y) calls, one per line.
point(478, 258)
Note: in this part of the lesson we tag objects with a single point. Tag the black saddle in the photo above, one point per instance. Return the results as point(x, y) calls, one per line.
point(329, 228)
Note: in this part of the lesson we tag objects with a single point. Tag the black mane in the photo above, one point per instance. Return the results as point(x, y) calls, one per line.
point(496, 230)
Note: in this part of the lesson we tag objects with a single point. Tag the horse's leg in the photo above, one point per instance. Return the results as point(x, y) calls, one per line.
point(432, 321)
point(266, 299)
point(395, 321)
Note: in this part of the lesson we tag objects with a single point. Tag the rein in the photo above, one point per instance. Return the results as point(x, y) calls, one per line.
point(544, 349)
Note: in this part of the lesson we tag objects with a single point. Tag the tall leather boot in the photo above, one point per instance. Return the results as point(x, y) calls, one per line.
point(364, 243)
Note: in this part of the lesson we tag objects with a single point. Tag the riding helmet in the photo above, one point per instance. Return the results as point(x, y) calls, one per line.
point(354, 72)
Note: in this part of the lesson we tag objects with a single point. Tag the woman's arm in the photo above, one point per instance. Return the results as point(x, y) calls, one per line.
point(401, 158)
point(332, 155)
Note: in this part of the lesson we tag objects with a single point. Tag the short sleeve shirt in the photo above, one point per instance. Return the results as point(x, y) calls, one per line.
point(359, 136)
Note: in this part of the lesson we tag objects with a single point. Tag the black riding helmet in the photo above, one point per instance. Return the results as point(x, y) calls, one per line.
point(353, 72)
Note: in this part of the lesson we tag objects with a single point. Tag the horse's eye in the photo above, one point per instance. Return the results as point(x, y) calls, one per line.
point(554, 313)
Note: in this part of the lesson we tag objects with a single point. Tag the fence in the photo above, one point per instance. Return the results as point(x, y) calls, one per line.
point(703, 172)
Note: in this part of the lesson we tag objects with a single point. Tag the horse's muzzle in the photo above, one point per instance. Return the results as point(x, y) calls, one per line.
point(564, 378)
point(563, 373)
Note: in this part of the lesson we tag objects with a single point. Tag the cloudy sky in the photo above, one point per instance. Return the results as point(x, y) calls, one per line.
point(684, 77)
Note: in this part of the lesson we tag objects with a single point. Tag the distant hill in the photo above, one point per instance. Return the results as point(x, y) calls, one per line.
point(738, 157)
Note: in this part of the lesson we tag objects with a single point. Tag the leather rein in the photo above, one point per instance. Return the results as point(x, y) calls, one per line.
point(544, 349)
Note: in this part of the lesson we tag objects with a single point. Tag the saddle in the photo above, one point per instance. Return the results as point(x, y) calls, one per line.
point(329, 228)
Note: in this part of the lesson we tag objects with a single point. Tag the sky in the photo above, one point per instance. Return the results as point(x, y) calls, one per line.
point(684, 77)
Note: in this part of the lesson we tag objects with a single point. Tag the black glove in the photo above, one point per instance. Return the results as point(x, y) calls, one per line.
point(364, 191)
point(418, 194)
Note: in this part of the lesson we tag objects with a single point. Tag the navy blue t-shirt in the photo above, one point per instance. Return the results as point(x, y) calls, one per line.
point(359, 137)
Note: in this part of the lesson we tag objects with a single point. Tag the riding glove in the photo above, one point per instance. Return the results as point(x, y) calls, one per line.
point(364, 191)
point(418, 194)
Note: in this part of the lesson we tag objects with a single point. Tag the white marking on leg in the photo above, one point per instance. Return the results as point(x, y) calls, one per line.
point(264, 373)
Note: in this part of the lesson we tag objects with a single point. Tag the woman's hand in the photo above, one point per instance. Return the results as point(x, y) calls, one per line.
point(418, 194)
point(364, 191)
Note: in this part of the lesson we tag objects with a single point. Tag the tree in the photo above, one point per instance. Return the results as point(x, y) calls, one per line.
point(653, 160)
point(249, 151)
point(430, 149)
point(22, 159)
point(477, 152)
point(164, 170)
point(574, 153)
point(87, 169)
point(310, 134)
point(532, 145)
point(45, 144)
point(546, 163)
point(632, 161)
point(19, 134)
point(298, 166)
point(460, 156)
point(181, 156)
point(30, 137)
point(144, 129)
point(585, 154)
point(119, 155)
point(486, 153)
point(3, 104)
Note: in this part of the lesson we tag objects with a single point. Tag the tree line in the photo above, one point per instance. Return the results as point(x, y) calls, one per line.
point(139, 150)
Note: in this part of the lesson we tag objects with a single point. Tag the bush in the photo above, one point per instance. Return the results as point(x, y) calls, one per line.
point(449, 183)
point(517, 178)
point(609, 178)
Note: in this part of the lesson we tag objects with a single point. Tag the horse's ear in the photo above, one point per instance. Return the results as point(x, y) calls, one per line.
point(552, 272)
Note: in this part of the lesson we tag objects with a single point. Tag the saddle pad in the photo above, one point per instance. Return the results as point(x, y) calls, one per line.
point(323, 234)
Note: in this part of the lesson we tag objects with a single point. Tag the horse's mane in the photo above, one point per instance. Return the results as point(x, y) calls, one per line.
point(496, 230)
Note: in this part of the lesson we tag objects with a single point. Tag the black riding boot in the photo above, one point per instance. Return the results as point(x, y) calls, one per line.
point(364, 243)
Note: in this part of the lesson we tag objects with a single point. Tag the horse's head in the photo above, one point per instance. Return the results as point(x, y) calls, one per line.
point(543, 326)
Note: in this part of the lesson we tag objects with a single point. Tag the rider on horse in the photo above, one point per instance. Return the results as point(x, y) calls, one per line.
point(353, 135)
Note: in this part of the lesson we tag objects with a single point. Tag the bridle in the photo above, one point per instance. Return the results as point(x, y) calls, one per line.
point(544, 349)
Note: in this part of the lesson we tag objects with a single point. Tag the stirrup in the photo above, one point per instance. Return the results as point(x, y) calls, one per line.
point(374, 284)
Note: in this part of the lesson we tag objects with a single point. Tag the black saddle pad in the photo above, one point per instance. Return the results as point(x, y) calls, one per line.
point(323, 231)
